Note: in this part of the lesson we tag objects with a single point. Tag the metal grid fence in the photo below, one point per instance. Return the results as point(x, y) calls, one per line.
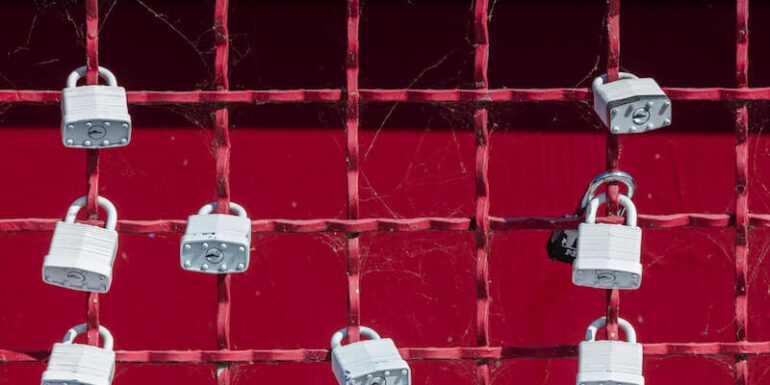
point(481, 224)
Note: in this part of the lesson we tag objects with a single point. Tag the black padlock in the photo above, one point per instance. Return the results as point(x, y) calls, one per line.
point(562, 245)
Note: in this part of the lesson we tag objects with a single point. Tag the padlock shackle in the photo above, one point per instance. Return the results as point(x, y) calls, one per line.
point(103, 332)
point(234, 207)
point(624, 201)
point(342, 333)
point(112, 213)
point(602, 322)
point(603, 178)
point(621, 75)
point(107, 75)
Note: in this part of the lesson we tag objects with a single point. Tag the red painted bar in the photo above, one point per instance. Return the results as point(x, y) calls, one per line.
point(352, 122)
point(481, 221)
point(741, 190)
point(705, 349)
point(92, 156)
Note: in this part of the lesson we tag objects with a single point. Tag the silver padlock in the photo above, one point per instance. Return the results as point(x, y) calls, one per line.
point(375, 361)
point(562, 245)
point(631, 105)
point(81, 256)
point(94, 116)
point(78, 364)
point(608, 255)
point(610, 362)
point(217, 243)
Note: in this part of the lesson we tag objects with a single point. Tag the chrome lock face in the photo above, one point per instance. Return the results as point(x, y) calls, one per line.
point(81, 256)
point(375, 361)
point(610, 362)
point(77, 364)
point(562, 245)
point(94, 116)
point(608, 255)
point(631, 105)
point(217, 243)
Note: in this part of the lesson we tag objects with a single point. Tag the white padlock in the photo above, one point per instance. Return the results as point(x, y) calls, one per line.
point(78, 364)
point(94, 116)
point(217, 243)
point(608, 255)
point(81, 255)
point(610, 362)
point(631, 105)
point(375, 361)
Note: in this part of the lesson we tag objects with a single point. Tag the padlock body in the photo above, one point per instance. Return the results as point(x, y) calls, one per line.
point(630, 106)
point(216, 243)
point(370, 362)
point(77, 364)
point(81, 257)
point(608, 256)
point(95, 117)
point(610, 363)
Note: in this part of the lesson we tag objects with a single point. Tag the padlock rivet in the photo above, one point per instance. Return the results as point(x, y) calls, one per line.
point(241, 266)
point(650, 126)
point(616, 129)
point(187, 246)
point(105, 142)
point(204, 267)
point(70, 141)
point(70, 127)
point(241, 249)
point(87, 143)
point(369, 376)
point(106, 123)
point(124, 141)
point(223, 245)
point(125, 125)
point(648, 105)
point(222, 267)
point(205, 245)
point(187, 264)
point(667, 122)
point(403, 372)
point(88, 124)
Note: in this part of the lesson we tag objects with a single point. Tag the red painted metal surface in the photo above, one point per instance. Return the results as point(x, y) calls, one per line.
point(451, 264)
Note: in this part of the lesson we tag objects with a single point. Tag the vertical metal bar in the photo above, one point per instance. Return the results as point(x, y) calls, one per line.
point(481, 224)
point(92, 156)
point(351, 148)
point(613, 148)
point(223, 146)
point(741, 191)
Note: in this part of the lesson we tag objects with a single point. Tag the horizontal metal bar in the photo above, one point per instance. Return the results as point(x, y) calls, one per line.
point(331, 225)
point(387, 95)
point(409, 353)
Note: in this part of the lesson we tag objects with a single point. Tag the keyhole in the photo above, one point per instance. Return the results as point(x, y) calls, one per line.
point(378, 381)
point(641, 116)
point(76, 276)
point(214, 255)
point(96, 132)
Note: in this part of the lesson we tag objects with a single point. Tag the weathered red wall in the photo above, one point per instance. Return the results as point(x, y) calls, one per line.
point(288, 161)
